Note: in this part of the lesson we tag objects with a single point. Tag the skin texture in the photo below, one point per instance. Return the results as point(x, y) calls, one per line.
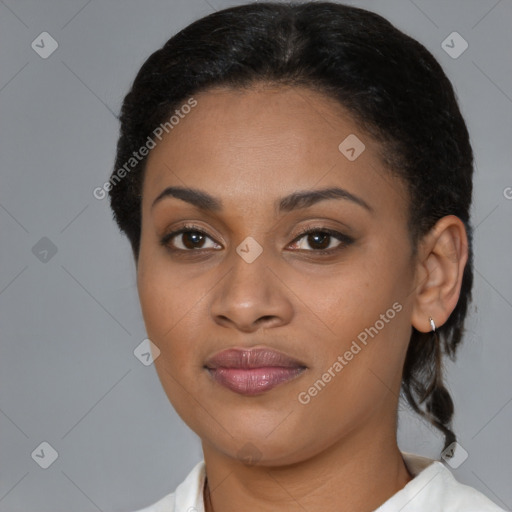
point(248, 149)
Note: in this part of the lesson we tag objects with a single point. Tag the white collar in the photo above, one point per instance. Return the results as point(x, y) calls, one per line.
point(433, 487)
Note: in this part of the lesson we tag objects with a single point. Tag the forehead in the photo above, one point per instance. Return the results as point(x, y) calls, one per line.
point(266, 140)
point(277, 121)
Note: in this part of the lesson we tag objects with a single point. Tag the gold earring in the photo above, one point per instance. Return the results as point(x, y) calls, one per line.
point(432, 324)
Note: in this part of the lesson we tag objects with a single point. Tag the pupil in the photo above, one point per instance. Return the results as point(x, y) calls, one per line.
point(192, 238)
point(322, 237)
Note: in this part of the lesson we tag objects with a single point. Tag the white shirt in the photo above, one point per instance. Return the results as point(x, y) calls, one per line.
point(433, 489)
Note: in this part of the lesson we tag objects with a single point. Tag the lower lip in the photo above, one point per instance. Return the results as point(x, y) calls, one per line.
point(253, 381)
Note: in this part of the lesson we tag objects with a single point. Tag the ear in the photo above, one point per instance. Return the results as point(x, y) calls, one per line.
point(442, 257)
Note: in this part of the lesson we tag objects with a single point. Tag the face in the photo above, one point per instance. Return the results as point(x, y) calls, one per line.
point(282, 315)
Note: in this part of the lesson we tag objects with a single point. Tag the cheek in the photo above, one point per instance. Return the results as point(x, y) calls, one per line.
point(361, 310)
point(165, 301)
point(170, 312)
point(345, 299)
point(174, 308)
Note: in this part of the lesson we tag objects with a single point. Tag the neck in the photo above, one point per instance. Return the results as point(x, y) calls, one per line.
point(361, 472)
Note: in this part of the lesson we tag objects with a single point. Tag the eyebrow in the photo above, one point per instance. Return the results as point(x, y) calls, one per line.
point(296, 200)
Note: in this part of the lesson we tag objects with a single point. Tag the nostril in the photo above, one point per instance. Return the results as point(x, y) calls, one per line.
point(266, 319)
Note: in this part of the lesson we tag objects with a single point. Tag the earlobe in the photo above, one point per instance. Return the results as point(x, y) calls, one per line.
point(442, 257)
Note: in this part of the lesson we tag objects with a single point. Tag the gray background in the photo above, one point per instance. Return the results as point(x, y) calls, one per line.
point(70, 323)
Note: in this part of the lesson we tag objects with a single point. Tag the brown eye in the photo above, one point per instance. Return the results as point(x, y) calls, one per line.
point(322, 240)
point(192, 239)
point(319, 240)
point(188, 239)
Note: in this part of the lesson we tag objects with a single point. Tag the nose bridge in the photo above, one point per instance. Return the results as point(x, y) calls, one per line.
point(250, 292)
point(248, 280)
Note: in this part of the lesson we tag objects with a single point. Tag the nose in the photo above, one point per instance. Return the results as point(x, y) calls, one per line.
point(251, 296)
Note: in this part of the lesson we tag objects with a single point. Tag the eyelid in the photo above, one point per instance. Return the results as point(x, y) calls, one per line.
point(319, 229)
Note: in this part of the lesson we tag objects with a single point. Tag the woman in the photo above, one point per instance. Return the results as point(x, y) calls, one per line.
point(295, 182)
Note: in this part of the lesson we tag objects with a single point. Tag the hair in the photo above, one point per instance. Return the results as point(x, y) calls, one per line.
point(389, 83)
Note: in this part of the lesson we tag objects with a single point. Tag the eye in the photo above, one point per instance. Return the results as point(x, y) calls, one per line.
point(188, 238)
point(322, 240)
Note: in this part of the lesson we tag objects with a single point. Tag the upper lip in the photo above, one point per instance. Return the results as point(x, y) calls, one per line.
point(252, 358)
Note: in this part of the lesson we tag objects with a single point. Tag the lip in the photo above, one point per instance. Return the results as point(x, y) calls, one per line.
point(253, 371)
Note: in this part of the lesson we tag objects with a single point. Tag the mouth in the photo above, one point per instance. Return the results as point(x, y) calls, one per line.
point(253, 371)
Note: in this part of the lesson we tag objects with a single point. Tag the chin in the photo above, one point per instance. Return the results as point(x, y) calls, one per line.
point(259, 446)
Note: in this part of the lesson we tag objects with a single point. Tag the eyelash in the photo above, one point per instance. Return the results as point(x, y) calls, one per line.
point(344, 240)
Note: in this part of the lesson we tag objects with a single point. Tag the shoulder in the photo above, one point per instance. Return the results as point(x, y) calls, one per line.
point(435, 488)
point(187, 496)
point(461, 497)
